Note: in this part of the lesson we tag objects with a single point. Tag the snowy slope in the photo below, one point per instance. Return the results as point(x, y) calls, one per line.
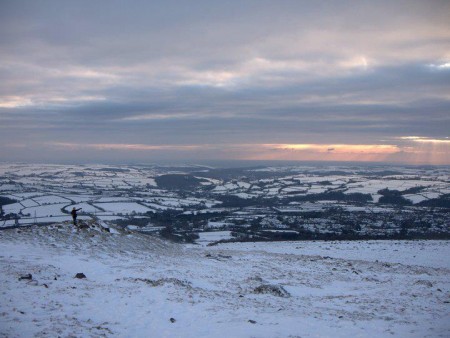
point(136, 284)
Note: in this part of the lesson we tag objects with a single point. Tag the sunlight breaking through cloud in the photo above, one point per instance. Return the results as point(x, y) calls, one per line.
point(14, 102)
point(421, 139)
point(445, 65)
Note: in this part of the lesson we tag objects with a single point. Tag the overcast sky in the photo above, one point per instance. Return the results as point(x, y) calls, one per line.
point(193, 80)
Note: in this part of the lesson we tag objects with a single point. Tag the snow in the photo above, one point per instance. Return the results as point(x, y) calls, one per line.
point(219, 189)
point(172, 203)
point(45, 210)
point(244, 195)
point(80, 198)
point(51, 200)
point(213, 224)
point(26, 221)
point(213, 236)
point(415, 198)
point(317, 189)
point(12, 208)
point(414, 252)
point(29, 203)
point(431, 194)
point(109, 217)
point(244, 185)
point(124, 208)
point(158, 206)
point(294, 189)
point(135, 283)
point(23, 195)
point(8, 187)
point(84, 206)
point(111, 199)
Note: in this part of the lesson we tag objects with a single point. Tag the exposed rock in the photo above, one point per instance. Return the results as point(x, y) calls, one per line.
point(218, 257)
point(163, 281)
point(275, 290)
point(255, 279)
point(424, 283)
point(80, 275)
point(28, 276)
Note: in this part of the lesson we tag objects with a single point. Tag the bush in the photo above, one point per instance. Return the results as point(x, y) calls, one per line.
point(6, 200)
point(440, 202)
point(392, 197)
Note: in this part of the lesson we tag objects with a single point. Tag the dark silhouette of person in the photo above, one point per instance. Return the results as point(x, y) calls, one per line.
point(74, 215)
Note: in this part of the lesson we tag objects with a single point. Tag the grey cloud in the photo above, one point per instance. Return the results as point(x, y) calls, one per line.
point(196, 32)
point(84, 68)
point(216, 109)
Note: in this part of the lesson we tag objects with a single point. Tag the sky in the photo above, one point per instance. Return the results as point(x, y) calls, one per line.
point(149, 81)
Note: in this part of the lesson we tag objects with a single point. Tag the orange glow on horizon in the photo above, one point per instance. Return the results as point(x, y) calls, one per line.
point(412, 153)
point(325, 152)
point(338, 148)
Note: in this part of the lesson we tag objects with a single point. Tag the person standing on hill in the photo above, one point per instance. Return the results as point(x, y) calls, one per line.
point(74, 215)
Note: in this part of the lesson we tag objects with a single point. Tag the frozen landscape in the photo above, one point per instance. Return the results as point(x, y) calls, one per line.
point(195, 251)
point(225, 169)
point(253, 203)
point(141, 286)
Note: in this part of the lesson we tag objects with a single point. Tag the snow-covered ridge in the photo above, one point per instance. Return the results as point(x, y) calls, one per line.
point(140, 286)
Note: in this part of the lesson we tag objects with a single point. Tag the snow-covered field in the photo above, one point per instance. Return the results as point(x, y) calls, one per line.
point(141, 286)
point(206, 238)
point(125, 208)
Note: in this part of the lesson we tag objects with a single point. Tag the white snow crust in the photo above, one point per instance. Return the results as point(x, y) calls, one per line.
point(136, 283)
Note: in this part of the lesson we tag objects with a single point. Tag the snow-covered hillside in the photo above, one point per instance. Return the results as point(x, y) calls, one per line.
point(141, 286)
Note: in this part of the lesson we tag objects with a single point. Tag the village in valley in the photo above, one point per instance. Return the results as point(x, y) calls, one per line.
point(206, 205)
